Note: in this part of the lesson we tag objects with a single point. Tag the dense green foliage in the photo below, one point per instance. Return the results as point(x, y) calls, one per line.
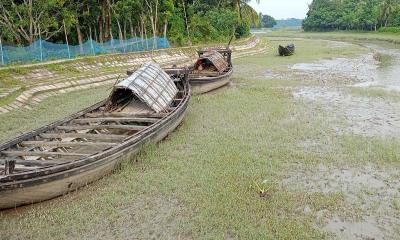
point(267, 21)
point(327, 15)
point(390, 29)
point(181, 21)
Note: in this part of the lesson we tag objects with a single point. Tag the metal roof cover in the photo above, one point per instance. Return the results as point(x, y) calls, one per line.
point(152, 85)
point(216, 59)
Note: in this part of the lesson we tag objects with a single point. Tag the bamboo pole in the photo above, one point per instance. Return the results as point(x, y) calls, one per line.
point(66, 40)
point(40, 45)
point(91, 40)
point(1, 50)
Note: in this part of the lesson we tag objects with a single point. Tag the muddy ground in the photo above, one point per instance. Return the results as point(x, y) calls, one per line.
point(334, 85)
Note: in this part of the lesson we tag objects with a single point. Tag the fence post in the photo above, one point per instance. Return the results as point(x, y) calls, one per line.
point(91, 45)
point(66, 40)
point(41, 49)
point(40, 45)
point(123, 44)
point(1, 50)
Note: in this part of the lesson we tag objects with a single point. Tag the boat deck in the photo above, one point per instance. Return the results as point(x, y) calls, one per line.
point(81, 137)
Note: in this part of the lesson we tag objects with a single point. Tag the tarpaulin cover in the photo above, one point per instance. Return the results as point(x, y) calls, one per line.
point(152, 85)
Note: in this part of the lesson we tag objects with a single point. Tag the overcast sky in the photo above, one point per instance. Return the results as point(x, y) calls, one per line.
point(280, 9)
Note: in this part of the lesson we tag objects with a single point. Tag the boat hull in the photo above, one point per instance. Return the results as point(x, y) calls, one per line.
point(286, 51)
point(59, 183)
point(205, 85)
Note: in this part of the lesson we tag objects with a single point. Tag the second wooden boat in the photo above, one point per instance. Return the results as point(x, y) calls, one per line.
point(212, 70)
point(70, 153)
point(286, 51)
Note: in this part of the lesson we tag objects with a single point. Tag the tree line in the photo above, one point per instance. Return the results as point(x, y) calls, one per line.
point(75, 21)
point(266, 21)
point(365, 15)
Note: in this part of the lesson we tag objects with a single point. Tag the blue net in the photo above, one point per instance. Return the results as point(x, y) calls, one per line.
point(40, 50)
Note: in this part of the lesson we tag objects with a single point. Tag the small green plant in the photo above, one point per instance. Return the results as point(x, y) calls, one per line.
point(264, 188)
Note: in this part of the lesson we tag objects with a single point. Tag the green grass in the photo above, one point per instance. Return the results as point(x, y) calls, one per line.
point(375, 92)
point(11, 97)
point(339, 35)
point(199, 182)
point(51, 109)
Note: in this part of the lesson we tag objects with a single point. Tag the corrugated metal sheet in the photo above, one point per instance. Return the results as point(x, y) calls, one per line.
point(152, 85)
point(215, 58)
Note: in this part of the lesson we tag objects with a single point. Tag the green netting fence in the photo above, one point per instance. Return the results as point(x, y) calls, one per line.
point(41, 51)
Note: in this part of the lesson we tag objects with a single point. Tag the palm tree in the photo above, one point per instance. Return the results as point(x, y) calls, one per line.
point(386, 9)
point(244, 9)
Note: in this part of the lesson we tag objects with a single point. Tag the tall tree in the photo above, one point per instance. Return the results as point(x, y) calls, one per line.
point(27, 19)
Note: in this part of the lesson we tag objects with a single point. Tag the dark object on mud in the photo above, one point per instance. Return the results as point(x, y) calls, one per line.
point(212, 70)
point(286, 51)
point(82, 148)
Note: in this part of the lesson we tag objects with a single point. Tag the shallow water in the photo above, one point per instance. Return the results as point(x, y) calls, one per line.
point(387, 74)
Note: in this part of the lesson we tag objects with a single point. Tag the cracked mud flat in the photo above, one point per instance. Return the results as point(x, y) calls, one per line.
point(365, 116)
point(358, 69)
point(372, 192)
point(332, 71)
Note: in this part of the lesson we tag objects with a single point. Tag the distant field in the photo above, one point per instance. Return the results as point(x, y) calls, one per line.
point(339, 35)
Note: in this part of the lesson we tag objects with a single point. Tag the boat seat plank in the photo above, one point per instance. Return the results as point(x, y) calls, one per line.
point(84, 127)
point(21, 168)
point(205, 74)
point(106, 137)
point(65, 144)
point(125, 114)
point(42, 163)
point(15, 153)
point(114, 119)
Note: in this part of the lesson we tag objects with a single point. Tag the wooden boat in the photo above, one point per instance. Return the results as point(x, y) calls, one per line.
point(84, 147)
point(286, 51)
point(213, 69)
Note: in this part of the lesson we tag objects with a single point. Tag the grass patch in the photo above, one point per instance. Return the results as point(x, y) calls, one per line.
point(376, 92)
point(11, 97)
point(51, 109)
point(339, 35)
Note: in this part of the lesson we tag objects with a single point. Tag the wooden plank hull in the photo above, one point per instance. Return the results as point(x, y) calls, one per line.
point(47, 182)
point(205, 85)
point(63, 182)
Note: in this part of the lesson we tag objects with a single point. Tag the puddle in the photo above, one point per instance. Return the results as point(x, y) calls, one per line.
point(387, 74)
point(370, 192)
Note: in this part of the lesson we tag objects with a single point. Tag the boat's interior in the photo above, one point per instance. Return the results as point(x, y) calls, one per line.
point(104, 127)
point(211, 63)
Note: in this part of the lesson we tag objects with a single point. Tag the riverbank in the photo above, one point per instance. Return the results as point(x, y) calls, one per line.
point(292, 149)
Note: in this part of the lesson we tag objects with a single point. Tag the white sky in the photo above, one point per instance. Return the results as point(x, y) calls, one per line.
point(281, 9)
